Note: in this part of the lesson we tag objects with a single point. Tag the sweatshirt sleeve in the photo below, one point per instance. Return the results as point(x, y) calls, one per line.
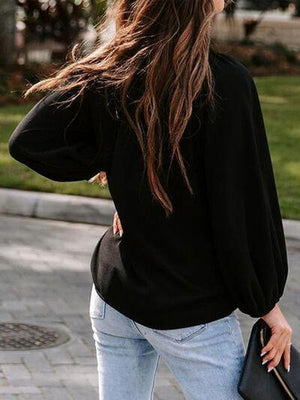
point(62, 141)
point(245, 215)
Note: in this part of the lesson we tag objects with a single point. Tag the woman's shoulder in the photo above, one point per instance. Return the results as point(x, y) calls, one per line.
point(228, 69)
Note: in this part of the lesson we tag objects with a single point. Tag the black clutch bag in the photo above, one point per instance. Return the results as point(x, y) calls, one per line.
point(255, 382)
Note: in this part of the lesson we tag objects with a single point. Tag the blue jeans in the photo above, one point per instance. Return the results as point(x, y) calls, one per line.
point(206, 359)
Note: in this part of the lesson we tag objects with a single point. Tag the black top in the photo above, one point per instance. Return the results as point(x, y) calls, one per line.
point(223, 247)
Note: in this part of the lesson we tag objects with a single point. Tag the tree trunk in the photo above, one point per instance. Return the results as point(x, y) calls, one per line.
point(297, 13)
point(7, 31)
point(230, 10)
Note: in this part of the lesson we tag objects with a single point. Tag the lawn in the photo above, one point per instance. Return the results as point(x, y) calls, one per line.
point(280, 100)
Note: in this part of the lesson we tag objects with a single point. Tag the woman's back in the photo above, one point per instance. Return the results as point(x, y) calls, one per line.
point(203, 261)
point(222, 247)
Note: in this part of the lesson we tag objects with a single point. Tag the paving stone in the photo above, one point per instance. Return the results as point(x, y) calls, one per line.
point(26, 396)
point(85, 360)
point(13, 305)
point(3, 381)
point(10, 357)
point(83, 393)
point(15, 371)
point(58, 355)
point(43, 380)
point(4, 315)
point(37, 362)
point(18, 389)
point(78, 348)
point(56, 394)
point(92, 379)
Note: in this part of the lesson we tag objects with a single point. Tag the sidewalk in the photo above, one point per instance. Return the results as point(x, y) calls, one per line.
point(45, 280)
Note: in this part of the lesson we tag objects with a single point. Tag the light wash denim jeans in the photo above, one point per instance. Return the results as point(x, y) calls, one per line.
point(206, 360)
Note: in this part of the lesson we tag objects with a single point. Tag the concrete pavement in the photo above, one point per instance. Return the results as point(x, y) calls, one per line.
point(45, 279)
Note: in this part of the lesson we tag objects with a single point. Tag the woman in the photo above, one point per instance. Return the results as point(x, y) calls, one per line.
point(202, 234)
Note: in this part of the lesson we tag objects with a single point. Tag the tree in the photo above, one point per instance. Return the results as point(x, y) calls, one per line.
point(98, 8)
point(7, 31)
point(230, 10)
point(297, 13)
point(59, 20)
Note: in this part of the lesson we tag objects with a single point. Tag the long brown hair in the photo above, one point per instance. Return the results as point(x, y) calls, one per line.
point(165, 41)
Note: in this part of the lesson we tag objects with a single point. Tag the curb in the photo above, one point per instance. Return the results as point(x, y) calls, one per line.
point(71, 208)
point(61, 207)
point(291, 229)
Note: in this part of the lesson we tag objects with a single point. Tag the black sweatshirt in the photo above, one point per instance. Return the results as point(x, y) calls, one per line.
point(223, 247)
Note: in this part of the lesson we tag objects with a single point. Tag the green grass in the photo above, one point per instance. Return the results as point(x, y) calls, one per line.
point(280, 100)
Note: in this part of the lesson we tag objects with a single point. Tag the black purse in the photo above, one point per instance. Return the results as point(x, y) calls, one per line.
point(255, 382)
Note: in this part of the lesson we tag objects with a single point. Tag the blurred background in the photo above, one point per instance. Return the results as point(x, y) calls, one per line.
point(36, 36)
point(49, 229)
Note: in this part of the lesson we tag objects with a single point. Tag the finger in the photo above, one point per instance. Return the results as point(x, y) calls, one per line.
point(274, 355)
point(102, 178)
point(120, 227)
point(275, 361)
point(271, 343)
point(287, 357)
point(279, 345)
point(115, 223)
point(93, 179)
point(270, 355)
point(277, 336)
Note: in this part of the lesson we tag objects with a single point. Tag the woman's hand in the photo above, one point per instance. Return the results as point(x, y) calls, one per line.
point(100, 178)
point(280, 340)
point(117, 227)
